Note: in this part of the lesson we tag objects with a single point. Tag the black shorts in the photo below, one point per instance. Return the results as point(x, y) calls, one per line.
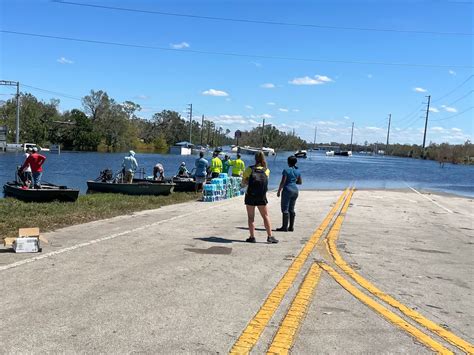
point(256, 200)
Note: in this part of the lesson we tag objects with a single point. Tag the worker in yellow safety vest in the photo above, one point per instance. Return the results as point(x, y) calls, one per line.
point(238, 166)
point(216, 165)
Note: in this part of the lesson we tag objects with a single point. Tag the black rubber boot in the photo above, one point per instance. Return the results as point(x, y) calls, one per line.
point(284, 224)
point(292, 222)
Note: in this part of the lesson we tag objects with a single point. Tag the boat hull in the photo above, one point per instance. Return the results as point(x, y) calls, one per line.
point(180, 185)
point(136, 188)
point(47, 193)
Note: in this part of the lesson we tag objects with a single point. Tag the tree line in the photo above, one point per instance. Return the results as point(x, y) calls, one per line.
point(102, 124)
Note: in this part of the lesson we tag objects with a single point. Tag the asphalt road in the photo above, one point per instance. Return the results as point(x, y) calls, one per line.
point(180, 279)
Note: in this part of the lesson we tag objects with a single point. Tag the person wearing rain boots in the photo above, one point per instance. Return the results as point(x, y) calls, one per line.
point(289, 193)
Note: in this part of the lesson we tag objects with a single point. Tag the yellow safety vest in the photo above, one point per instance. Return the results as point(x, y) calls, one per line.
point(216, 165)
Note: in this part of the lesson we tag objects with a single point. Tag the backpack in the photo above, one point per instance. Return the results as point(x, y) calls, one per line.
point(258, 182)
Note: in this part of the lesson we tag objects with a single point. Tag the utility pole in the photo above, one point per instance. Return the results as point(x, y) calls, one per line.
point(208, 132)
point(426, 124)
point(263, 133)
point(190, 122)
point(314, 142)
point(202, 129)
point(352, 134)
point(17, 84)
point(388, 132)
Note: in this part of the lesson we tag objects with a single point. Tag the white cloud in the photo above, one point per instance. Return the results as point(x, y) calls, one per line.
point(327, 123)
point(433, 109)
point(257, 64)
point(228, 99)
point(271, 103)
point(347, 118)
point(419, 90)
point(267, 86)
point(370, 76)
point(454, 129)
point(295, 110)
point(248, 107)
point(449, 109)
point(141, 97)
point(266, 115)
point(181, 45)
point(306, 80)
point(64, 60)
point(213, 92)
point(452, 72)
point(437, 129)
point(283, 109)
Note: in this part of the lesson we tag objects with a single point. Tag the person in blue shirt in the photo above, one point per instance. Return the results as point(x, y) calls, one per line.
point(290, 178)
point(200, 174)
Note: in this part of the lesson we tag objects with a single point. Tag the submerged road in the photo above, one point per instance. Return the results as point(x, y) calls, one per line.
point(364, 272)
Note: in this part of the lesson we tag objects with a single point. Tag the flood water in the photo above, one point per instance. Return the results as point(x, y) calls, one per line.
point(319, 172)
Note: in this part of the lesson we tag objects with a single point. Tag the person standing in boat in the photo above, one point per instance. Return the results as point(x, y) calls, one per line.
point(35, 161)
point(27, 176)
point(158, 172)
point(200, 174)
point(256, 179)
point(129, 166)
point(290, 178)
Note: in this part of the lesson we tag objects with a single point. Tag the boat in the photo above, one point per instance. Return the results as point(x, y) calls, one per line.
point(344, 153)
point(330, 153)
point(47, 193)
point(135, 188)
point(181, 184)
point(252, 150)
point(301, 154)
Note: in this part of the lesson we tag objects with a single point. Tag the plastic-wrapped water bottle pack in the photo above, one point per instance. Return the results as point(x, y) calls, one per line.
point(221, 188)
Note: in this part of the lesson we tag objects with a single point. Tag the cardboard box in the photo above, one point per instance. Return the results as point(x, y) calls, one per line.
point(26, 245)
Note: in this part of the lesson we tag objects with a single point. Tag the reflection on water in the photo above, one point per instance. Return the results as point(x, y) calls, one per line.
point(318, 171)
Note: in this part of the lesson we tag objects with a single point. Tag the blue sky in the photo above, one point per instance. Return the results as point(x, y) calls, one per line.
point(238, 91)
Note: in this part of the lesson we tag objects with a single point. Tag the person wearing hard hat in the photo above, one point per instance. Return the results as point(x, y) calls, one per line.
point(238, 166)
point(216, 165)
point(129, 166)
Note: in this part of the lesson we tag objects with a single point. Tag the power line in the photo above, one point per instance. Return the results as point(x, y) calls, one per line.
point(456, 88)
point(232, 54)
point(262, 22)
point(456, 115)
point(462, 97)
point(52, 92)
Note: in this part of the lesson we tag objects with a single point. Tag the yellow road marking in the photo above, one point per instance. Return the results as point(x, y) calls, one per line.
point(254, 329)
point(417, 317)
point(387, 314)
point(286, 334)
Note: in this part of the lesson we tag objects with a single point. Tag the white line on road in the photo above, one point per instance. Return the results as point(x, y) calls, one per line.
point(98, 240)
point(429, 199)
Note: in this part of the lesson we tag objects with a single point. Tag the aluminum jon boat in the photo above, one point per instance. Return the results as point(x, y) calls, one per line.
point(136, 188)
point(47, 193)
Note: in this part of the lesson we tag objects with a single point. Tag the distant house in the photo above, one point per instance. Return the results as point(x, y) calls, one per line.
point(3, 138)
point(182, 148)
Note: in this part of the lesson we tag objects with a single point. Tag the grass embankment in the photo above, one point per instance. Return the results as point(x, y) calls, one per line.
point(15, 214)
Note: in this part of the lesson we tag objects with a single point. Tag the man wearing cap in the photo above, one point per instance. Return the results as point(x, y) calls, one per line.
point(183, 171)
point(238, 166)
point(35, 161)
point(129, 166)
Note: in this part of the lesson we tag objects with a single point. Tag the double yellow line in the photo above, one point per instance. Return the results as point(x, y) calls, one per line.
point(286, 334)
point(254, 329)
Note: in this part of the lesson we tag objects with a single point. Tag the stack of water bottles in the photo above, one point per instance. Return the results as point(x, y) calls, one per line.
point(222, 188)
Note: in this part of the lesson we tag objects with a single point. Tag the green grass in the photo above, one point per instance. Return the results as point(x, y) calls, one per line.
point(16, 214)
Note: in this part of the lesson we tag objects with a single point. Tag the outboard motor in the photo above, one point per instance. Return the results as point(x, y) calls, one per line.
point(106, 175)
